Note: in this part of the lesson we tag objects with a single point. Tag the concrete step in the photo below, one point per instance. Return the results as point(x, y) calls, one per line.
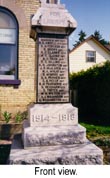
point(53, 135)
point(76, 154)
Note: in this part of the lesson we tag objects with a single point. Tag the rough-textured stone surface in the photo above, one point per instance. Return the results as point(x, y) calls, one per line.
point(53, 15)
point(76, 154)
point(54, 135)
point(52, 114)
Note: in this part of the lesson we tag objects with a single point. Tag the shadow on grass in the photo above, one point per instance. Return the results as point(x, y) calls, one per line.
point(4, 153)
point(94, 120)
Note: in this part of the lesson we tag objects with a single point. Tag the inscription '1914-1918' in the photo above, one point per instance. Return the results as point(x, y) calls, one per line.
point(48, 118)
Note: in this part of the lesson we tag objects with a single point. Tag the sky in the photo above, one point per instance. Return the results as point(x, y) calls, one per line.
point(90, 15)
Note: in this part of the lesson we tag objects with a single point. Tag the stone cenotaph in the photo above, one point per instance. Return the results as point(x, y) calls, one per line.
point(52, 134)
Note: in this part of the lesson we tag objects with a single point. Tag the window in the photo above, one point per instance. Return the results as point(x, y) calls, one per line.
point(8, 46)
point(90, 56)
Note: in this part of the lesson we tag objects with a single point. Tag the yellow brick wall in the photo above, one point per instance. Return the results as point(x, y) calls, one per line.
point(11, 99)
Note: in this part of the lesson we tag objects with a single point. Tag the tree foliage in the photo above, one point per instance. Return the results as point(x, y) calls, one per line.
point(98, 36)
point(82, 36)
point(93, 88)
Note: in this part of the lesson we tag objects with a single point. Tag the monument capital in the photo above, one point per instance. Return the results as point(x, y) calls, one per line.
point(53, 16)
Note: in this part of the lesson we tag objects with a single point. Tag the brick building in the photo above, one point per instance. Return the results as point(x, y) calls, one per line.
point(18, 68)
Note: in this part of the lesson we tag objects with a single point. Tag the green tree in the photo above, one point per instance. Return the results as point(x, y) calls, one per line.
point(98, 36)
point(82, 36)
point(104, 42)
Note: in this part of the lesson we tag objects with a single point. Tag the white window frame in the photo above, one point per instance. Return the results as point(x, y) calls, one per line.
point(91, 56)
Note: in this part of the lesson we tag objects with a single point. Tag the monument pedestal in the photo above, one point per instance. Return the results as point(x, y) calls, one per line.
point(54, 144)
point(52, 134)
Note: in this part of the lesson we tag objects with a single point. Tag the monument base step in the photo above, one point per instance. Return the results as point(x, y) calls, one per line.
point(53, 135)
point(76, 154)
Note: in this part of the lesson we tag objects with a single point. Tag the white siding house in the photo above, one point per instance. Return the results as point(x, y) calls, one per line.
point(88, 53)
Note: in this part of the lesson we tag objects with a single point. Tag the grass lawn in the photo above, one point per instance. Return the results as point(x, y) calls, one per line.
point(94, 131)
point(100, 135)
